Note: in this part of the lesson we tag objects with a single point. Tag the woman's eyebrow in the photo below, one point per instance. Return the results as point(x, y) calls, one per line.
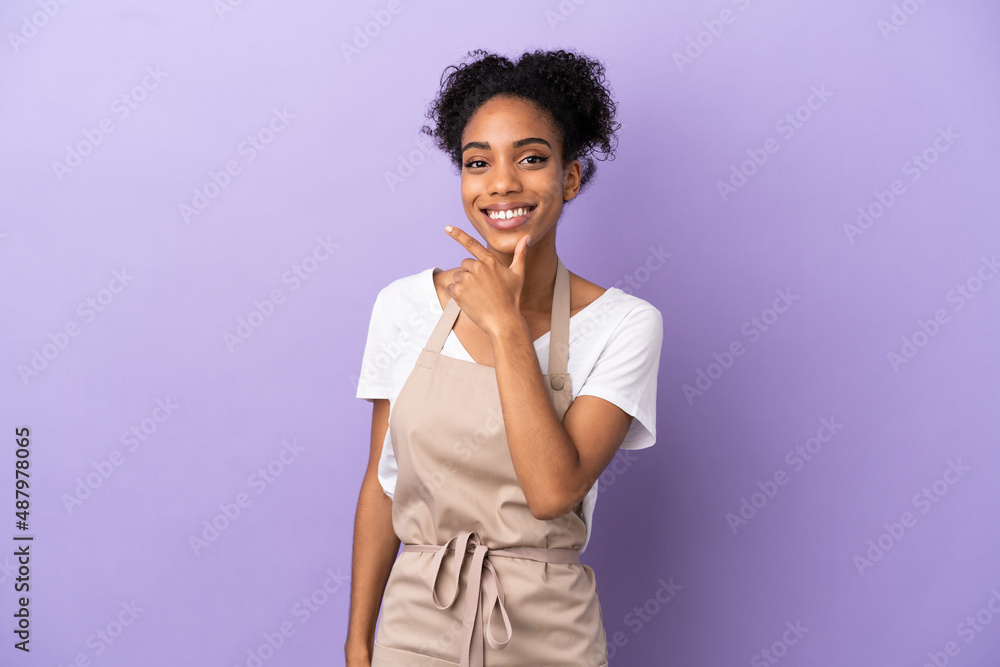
point(485, 146)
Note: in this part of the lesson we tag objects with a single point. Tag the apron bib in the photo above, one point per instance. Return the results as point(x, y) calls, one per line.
point(480, 582)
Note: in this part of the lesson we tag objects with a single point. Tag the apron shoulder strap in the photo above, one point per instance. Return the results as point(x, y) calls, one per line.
point(559, 329)
point(443, 327)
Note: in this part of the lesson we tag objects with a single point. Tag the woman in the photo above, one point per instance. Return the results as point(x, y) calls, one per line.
point(485, 467)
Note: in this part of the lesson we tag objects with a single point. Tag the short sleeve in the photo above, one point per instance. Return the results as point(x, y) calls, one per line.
point(626, 371)
point(375, 378)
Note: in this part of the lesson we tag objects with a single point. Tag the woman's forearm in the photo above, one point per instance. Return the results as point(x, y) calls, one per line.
point(544, 457)
point(374, 552)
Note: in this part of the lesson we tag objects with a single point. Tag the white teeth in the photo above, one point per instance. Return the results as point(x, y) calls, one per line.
point(507, 215)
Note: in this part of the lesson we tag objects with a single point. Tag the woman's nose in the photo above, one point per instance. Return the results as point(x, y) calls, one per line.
point(504, 178)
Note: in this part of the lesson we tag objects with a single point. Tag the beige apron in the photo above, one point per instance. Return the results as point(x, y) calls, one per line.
point(480, 581)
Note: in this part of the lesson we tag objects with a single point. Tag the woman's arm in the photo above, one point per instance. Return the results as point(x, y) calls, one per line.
point(375, 549)
point(556, 463)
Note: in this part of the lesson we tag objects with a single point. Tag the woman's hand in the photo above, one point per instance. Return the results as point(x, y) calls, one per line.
point(488, 292)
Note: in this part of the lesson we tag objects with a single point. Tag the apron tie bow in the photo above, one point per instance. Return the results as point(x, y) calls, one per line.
point(482, 576)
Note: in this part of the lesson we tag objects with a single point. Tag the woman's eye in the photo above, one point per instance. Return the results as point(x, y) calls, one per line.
point(534, 159)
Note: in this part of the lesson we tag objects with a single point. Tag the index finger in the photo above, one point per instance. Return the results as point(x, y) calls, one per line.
point(471, 244)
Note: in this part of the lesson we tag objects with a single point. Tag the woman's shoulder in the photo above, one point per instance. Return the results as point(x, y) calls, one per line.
point(404, 300)
point(612, 299)
point(582, 293)
point(413, 287)
point(442, 278)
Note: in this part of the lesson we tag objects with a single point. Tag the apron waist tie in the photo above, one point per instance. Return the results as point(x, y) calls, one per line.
point(483, 575)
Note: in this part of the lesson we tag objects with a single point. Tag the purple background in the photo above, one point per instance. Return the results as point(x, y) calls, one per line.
point(322, 175)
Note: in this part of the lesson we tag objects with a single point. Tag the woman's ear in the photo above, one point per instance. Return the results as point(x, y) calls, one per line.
point(571, 180)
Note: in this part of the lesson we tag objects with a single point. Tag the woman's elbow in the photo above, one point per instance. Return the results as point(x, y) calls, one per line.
point(550, 508)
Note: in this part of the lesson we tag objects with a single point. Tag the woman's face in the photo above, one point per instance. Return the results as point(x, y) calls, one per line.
point(511, 160)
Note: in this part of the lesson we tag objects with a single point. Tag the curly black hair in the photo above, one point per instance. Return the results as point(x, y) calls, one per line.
point(570, 86)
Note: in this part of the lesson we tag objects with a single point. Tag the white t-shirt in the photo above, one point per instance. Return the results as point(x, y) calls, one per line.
point(614, 353)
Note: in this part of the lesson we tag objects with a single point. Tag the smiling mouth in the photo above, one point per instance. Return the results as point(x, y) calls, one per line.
point(508, 219)
point(509, 214)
